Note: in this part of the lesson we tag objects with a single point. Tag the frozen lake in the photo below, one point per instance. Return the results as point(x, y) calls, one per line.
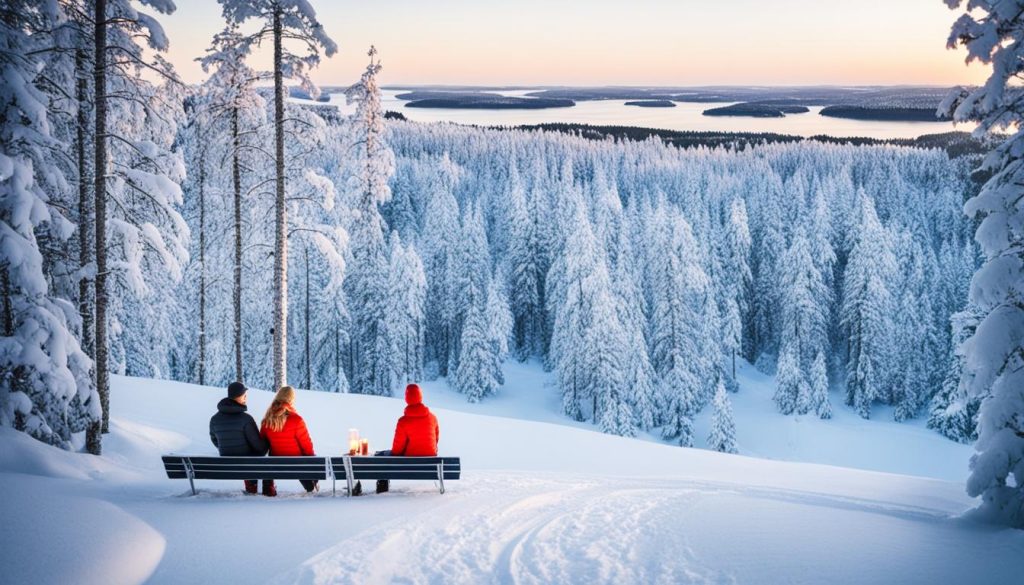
point(685, 116)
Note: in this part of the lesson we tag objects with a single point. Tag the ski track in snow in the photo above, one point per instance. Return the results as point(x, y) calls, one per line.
point(528, 530)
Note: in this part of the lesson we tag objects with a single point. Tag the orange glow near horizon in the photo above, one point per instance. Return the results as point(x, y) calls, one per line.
point(601, 42)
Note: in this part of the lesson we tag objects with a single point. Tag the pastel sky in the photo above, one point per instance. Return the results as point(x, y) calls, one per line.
point(608, 42)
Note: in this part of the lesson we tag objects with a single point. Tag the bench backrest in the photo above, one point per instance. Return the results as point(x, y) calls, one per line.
point(247, 467)
point(398, 467)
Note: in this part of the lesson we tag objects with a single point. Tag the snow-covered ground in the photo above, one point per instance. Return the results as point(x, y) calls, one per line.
point(541, 501)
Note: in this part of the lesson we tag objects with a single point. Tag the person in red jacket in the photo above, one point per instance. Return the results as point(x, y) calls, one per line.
point(417, 432)
point(287, 434)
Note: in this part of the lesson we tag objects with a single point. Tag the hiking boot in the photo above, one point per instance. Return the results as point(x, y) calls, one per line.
point(357, 490)
point(250, 488)
point(383, 485)
point(269, 489)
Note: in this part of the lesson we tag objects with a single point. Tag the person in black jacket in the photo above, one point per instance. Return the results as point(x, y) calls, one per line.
point(235, 433)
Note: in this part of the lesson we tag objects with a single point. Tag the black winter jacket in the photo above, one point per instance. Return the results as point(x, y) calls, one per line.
point(234, 432)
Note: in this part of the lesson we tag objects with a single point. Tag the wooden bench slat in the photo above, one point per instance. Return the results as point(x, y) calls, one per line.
point(280, 461)
point(403, 476)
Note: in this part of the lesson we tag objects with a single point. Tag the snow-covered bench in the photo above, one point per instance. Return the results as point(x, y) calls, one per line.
point(346, 468)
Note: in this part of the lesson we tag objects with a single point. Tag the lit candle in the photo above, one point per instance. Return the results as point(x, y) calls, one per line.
point(366, 447)
point(353, 447)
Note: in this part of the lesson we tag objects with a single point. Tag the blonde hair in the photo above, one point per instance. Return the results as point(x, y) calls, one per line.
point(277, 412)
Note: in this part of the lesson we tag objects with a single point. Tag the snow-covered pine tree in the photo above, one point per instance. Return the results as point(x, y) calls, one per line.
point(499, 321)
point(954, 408)
point(807, 299)
point(135, 123)
point(294, 20)
point(407, 291)
point(472, 272)
point(678, 289)
point(478, 370)
point(790, 380)
point(803, 324)
point(769, 247)
point(915, 335)
point(587, 338)
point(439, 249)
point(723, 428)
point(816, 393)
point(993, 33)
point(233, 112)
point(45, 385)
point(524, 270)
point(866, 311)
point(736, 279)
point(367, 282)
point(639, 375)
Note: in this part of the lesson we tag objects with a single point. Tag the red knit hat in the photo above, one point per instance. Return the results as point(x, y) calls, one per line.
point(413, 394)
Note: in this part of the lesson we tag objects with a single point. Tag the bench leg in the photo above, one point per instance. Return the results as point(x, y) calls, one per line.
point(440, 475)
point(348, 475)
point(191, 475)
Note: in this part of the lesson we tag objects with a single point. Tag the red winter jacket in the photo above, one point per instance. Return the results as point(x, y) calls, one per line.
point(417, 432)
point(293, 438)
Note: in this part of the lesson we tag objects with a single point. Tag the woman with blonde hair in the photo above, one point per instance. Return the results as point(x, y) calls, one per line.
point(287, 434)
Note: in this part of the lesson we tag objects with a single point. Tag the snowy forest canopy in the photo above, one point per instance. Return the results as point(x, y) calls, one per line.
point(637, 272)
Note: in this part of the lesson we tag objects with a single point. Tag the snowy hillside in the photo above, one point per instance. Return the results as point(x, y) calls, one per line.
point(538, 503)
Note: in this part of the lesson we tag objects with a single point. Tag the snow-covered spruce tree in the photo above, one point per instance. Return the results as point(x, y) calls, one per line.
point(790, 380)
point(915, 335)
point(993, 33)
point(630, 303)
point(478, 374)
point(866, 311)
point(804, 320)
point(679, 288)
point(439, 249)
point(65, 70)
point(139, 235)
point(723, 428)
point(316, 229)
point(45, 385)
point(193, 139)
point(368, 278)
point(736, 279)
point(233, 112)
point(499, 321)
point(524, 270)
point(587, 339)
point(472, 271)
point(954, 409)
point(296, 22)
point(407, 294)
point(769, 247)
point(816, 390)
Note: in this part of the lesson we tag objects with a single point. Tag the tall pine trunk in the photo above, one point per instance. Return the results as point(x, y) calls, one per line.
point(236, 293)
point(308, 358)
point(93, 439)
point(280, 219)
point(202, 262)
point(84, 250)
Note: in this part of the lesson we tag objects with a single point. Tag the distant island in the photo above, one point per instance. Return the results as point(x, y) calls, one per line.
point(752, 110)
point(883, 114)
point(652, 103)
